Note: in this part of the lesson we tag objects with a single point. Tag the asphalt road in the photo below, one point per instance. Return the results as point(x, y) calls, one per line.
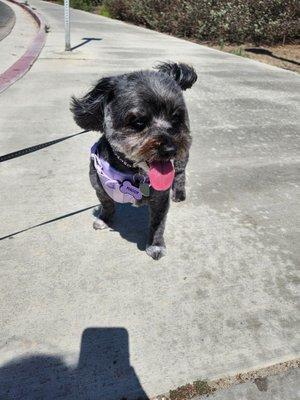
point(19, 39)
point(89, 312)
point(7, 20)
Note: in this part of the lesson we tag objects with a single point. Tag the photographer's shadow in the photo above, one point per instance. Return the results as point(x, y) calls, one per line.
point(103, 372)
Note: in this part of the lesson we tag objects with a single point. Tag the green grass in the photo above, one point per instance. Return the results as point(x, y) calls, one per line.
point(221, 44)
point(202, 387)
point(86, 5)
point(239, 52)
point(104, 11)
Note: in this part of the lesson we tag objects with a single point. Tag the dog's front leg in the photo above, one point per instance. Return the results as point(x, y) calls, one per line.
point(178, 187)
point(159, 205)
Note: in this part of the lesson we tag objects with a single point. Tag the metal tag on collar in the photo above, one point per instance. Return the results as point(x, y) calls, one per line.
point(145, 189)
point(142, 184)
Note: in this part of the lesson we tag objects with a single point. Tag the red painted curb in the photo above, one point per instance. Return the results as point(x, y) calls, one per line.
point(24, 63)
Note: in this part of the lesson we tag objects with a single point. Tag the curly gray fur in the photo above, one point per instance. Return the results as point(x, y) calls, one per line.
point(143, 118)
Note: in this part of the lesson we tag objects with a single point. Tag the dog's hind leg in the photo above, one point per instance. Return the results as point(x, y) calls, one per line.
point(178, 188)
point(106, 212)
point(107, 209)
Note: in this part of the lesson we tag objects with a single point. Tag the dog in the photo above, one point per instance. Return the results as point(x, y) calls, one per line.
point(145, 145)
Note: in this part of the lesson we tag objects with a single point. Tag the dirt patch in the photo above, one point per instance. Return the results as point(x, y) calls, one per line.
point(282, 56)
point(189, 391)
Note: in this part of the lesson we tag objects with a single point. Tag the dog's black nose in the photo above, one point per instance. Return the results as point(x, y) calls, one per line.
point(167, 150)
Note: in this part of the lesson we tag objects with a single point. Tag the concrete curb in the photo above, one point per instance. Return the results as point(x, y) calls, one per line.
point(24, 63)
point(202, 388)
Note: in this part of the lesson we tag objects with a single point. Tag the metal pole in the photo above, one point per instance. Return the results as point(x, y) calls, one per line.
point(67, 25)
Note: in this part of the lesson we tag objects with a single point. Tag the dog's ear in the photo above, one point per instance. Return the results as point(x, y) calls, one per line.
point(89, 110)
point(183, 74)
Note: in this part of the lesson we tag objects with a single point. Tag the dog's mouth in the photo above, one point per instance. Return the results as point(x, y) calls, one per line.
point(161, 174)
point(156, 160)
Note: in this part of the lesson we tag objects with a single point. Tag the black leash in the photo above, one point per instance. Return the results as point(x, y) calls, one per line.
point(27, 150)
point(11, 235)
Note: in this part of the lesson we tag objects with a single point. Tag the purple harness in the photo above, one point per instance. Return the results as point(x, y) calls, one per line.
point(118, 185)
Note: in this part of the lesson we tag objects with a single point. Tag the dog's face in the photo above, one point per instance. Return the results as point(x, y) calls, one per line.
point(146, 120)
point(142, 114)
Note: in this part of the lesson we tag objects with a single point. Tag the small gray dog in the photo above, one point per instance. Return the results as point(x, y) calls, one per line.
point(145, 145)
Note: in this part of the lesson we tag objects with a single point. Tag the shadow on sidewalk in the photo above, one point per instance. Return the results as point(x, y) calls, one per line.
point(265, 52)
point(132, 224)
point(103, 372)
point(85, 41)
point(11, 235)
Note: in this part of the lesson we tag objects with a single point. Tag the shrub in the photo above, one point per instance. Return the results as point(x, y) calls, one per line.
point(104, 11)
point(85, 5)
point(231, 21)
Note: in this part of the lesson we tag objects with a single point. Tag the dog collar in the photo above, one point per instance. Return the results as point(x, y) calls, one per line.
point(122, 187)
point(122, 161)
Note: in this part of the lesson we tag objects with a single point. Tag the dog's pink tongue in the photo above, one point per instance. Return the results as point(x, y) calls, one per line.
point(161, 175)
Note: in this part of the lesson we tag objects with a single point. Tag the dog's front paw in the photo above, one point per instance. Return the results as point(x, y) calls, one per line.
point(99, 224)
point(178, 195)
point(156, 252)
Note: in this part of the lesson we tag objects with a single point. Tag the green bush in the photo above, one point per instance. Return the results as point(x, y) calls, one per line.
point(231, 21)
point(104, 11)
point(85, 5)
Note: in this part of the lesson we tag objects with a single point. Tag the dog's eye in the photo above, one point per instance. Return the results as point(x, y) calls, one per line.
point(177, 118)
point(139, 123)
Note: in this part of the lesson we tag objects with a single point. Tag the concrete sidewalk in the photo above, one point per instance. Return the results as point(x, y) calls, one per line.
point(88, 309)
